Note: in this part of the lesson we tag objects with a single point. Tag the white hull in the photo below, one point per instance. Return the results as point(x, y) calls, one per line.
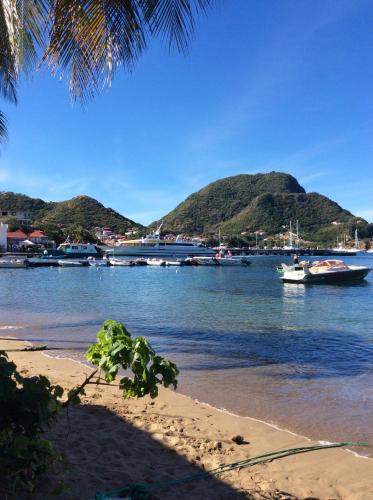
point(121, 262)
point(13, 264)
point(155, 262)
point(70, 263)
point(163, 251)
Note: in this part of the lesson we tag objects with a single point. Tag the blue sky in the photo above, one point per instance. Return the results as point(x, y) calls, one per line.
point(284, 86)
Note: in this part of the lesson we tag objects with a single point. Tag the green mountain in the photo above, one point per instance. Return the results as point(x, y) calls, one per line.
point(81, 210)
point(261, 202)
point(20, 203)
point(86, 212)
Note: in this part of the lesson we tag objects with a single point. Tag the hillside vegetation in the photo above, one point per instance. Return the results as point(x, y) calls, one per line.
point(82, 211)
point(86, 212)
point(19, 202)
point(261, 202)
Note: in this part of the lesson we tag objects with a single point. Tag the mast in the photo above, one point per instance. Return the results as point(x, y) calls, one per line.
point(291, 236)
point(356, 239)
point(297, 234)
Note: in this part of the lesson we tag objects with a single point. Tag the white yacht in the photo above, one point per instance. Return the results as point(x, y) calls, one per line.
point(153, 245)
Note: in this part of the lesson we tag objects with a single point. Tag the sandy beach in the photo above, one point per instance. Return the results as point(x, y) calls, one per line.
point(109, 442)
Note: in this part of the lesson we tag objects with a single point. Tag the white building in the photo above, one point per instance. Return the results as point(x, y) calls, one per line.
point(3, 236)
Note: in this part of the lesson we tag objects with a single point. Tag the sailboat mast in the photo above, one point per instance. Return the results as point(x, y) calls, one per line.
point(291, 237)
point(297, 234)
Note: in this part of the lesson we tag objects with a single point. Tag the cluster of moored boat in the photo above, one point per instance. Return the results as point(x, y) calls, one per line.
point(322, 271)
point(52, 261)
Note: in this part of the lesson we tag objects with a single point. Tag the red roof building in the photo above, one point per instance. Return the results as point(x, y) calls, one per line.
point(16, 236)
point(38, 236)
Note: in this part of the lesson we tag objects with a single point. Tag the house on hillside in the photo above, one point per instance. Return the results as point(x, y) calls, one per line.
point(21, 216)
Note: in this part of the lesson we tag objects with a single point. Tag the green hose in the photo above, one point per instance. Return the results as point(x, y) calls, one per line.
point(138, 491)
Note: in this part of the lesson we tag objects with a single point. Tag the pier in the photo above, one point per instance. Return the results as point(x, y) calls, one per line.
point(317, 252)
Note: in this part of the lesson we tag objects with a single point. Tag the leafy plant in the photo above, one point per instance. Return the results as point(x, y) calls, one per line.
point(30, 405)
point(116, 349)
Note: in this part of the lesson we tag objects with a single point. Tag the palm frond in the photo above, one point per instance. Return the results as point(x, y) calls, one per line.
point(90, 39)
point(3, 127)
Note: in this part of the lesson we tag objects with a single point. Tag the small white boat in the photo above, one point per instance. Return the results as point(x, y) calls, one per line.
point(156, 262)
point(13, 263)
point(325, 271)
point(92, 261)
point(120, 262)
point(174, 263)
point(70, 263)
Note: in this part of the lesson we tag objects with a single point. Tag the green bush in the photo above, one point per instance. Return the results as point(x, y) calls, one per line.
point(30, 405)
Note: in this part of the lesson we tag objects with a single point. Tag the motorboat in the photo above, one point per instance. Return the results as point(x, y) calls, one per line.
point(43, 261)
point(92, 261)
point(155, 262)
point(206, 261)
point(77, 250)
point(70, 263)
point(14, 263)
point(120, 262)
point(233, 261)
point(140, 262)
point(324, 271)
point(174, 263)
point(152, 245)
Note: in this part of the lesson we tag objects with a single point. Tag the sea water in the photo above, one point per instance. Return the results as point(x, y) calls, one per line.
point(299, 356)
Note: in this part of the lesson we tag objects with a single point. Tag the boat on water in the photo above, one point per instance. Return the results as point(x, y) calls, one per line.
point(94, 262)
point(325, 271)
point(121, 262)
point(14, 263)
point(77, 250)
point(155, 262)
point(153, 245)
point(206, 261)
point(174, 263)
point(71, 263)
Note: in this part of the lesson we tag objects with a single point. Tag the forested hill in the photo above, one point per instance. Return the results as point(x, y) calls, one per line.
point(247, 203)
point(81, 210)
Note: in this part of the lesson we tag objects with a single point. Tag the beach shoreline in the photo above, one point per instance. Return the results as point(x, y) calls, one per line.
point(175, 428)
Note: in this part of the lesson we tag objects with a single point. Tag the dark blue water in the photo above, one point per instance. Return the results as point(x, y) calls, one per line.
point(299, 356)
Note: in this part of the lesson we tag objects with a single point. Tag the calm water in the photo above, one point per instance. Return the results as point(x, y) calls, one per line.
point(301, 357)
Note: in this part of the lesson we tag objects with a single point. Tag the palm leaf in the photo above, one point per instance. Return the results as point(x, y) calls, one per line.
point(90, 39)
point(3, 128)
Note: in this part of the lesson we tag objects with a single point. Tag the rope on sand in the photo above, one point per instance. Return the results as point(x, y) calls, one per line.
point(138, 491)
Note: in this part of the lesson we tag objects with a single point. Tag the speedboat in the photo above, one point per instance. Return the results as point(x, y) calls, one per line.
point(120, 262)
point(206, 261)
point(233, 261)
point(325, 271)
point(156, 262)
point(13, 263)
point(174, 263)
point(92, 261)
point(70, 263)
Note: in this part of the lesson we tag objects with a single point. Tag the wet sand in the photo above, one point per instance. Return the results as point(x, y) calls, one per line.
point(109, 443)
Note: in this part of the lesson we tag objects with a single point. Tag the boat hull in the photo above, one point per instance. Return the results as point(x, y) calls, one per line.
point(349, 275)
point(162, 251)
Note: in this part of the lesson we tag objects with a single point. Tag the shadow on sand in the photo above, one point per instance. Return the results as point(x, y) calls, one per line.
point(104, 452)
